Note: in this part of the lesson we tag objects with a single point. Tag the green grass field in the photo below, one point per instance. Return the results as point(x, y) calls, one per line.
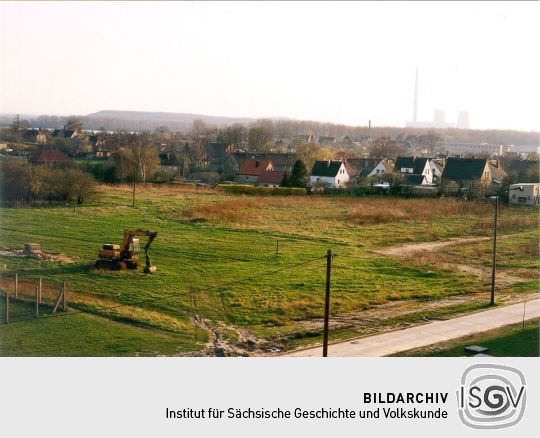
point(219, 275)
point(514, 340)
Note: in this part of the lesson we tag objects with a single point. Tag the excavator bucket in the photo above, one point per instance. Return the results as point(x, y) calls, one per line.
point(150, 269)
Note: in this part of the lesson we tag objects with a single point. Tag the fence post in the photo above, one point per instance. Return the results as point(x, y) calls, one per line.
point(39, 284)
point(327, 302)
point(37, 301)
point(7, 307)
point(277, 247)
point(16, 284)
point(57, 302)
point(64, 307)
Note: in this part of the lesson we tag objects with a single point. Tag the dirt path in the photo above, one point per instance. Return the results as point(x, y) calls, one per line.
point(431, 333)
point(410, 249)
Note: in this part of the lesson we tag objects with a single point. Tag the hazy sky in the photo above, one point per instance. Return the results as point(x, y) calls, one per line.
point(345, 62)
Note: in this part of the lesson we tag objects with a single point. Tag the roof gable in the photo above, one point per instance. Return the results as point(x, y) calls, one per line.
point(255, 167)
point(464, 168)
point(419, 165)
point(326, 168)
point(404, 162)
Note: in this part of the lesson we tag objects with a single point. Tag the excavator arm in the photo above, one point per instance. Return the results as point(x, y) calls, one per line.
point(149, 268)
point(128, 239)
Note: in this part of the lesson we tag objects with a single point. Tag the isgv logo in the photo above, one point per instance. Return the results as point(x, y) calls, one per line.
point(491, 396)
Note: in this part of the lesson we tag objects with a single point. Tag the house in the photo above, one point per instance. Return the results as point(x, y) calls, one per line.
point(302, 139)
point(476, 148)
point(524, 193)
point(437, 167)
point(413, 179)
point(226, 165)
point(30, 136)
point(52, 158)
point(326, 140)
point(270, 178)
point(465, 172)
point(332, 174)
point(169, 163)
point(415, 166)
point(283, 162)
point(251, 169)
point(367, 167)
point(76, 141)
point(404, 165)
point(516, 167)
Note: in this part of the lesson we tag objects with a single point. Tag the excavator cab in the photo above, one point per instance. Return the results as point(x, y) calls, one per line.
point(126, 255)
point(135, 246)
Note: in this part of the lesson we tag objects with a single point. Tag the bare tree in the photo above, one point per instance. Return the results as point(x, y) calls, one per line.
point(311, 152)
point(384, 147)
point(259, 137)
point(74, 123)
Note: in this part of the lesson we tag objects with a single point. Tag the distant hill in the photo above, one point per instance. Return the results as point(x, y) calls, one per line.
point(164, 117)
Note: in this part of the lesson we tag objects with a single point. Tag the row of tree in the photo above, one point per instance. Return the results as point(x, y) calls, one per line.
point(22, 183)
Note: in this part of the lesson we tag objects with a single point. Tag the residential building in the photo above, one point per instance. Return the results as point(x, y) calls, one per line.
point(226, 165)
point(283, 162)
point(332, 174)
point(367, 167)
point(52, 158)
point(415, 166)
point(270, 178)
point(475, 149)
point(169, 163)
point(251, 169)
point(524, 193)
point(465, 172)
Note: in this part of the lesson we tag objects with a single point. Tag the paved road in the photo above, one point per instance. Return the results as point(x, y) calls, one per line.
point(427, 334)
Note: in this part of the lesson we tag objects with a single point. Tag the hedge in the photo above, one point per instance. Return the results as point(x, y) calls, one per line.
point(244, 189)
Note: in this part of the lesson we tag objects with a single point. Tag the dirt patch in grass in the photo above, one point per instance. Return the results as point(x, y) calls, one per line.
point(10, 252)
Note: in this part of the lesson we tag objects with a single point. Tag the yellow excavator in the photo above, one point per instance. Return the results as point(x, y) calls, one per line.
point(126, 255)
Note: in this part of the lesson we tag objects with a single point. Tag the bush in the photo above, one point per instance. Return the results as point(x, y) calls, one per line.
point(244, 189)
point(23, 183)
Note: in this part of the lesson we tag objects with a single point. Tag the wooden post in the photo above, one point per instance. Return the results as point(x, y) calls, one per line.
point(37, 301)
point(57, 302)
point(7, 307)
point(277, 247)
point(16, 284)
point(64, 307)
point(492, 300)
point(39, 284)
point(327, 303)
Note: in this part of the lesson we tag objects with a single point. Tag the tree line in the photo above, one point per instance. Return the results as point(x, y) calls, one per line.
point(24, 184)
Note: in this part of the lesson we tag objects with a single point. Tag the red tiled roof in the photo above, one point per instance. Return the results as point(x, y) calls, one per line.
point(271, 177)
point(52, 157)
point(255, 167)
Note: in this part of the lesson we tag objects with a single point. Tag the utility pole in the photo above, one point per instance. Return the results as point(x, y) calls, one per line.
point(37, 301)
point(327, 302)
point(133, 199)
point(492, 302)
point(7, 307)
